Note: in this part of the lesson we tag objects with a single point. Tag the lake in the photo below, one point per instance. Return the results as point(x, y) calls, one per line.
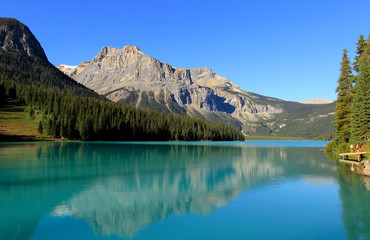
point(192, 190)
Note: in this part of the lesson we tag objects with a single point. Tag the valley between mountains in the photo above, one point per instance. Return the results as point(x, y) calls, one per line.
point(129, 76)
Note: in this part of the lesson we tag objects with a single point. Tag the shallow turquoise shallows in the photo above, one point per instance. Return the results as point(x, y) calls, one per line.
point(193, 190)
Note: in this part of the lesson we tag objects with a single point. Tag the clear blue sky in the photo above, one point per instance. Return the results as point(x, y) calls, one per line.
point(289, 49)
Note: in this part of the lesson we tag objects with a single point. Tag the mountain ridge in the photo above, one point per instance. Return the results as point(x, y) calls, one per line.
point(129, 76)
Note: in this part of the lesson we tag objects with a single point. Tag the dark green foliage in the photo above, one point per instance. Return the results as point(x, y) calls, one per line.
point(354, 195)
point(93, 119)
point(31, 112)
point(330, 148)
point(148, 101)
point(343, 147)
point(326, 137)
point(345, 92)
point(353, 107)
point(360, 129)
point(40, 128)
point(37, 72)
point(361, 45)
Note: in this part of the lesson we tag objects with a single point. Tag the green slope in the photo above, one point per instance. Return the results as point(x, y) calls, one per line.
point(307, 121)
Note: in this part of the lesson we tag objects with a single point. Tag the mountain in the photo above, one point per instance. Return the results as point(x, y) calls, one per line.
point(23, 61)
point(129, 76)
point(16, 36)
point(60, 107)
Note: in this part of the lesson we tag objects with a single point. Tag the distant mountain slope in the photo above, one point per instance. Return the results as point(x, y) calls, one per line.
point(303, 123)
point(131, 77)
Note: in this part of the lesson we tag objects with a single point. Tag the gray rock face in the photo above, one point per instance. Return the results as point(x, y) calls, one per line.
point(17, 36)
point(129, 76)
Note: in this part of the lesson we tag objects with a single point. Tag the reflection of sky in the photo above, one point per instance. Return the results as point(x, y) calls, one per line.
point(62, 228)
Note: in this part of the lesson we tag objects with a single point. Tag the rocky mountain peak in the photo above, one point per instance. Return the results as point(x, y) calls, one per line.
point(14, 35)
point(129, 76)
point(113, 51)
point(131, 49)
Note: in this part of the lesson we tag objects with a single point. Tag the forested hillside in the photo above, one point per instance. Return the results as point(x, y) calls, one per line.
point(309, 121)
point(37, 72)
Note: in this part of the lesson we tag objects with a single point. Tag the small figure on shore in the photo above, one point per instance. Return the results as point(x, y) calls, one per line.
point(351, 148)
point(357, 147)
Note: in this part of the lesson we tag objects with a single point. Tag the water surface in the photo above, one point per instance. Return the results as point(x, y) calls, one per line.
point(193, 190)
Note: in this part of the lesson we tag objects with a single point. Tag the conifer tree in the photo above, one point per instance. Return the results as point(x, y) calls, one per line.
point(361, 44)
point(360, 119)
point(345, 92)
point(40, 129)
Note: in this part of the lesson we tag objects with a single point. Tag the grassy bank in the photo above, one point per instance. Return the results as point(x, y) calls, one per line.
point(19, 123)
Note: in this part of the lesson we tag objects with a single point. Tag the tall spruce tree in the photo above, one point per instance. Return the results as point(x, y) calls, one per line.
point(345, 95)
point(361, 45)
point(360, 119)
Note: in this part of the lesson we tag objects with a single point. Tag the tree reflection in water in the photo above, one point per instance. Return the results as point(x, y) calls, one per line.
point(354, 193)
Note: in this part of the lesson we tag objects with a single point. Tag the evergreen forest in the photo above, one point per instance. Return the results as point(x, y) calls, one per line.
point(353, 99)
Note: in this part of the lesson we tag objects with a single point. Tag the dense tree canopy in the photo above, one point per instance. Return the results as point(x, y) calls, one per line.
point(353, 103)
point(345, 92)
point(360, 127)
point(361, 45)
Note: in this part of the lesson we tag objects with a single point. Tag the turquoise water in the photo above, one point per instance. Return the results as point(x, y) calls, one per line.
point(193, 190)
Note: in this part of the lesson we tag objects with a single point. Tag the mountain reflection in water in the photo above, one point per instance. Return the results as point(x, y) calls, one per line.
point(122, 188)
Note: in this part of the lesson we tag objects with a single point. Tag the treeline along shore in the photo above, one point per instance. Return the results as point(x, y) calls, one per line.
point(353, 101)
